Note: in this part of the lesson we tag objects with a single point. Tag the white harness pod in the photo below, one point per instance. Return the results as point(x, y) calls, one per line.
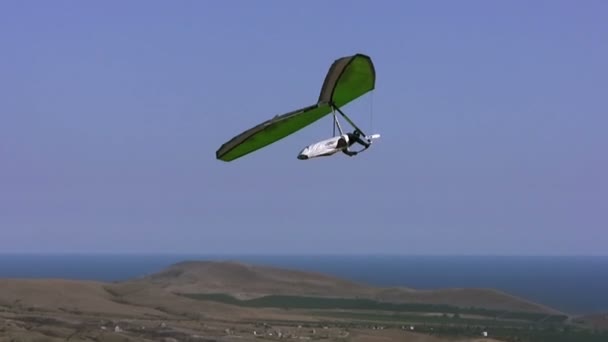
point(324, 148)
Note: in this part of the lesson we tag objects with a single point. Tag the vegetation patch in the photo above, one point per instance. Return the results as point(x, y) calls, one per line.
point(322, 303)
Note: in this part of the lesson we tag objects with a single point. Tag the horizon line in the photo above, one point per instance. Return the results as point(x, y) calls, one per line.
point(303, 254)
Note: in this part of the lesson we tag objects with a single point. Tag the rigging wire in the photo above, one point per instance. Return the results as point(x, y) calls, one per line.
point(333, 111)
point(371, 112)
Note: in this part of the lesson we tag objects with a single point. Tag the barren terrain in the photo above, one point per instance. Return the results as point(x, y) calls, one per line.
point(172, 306)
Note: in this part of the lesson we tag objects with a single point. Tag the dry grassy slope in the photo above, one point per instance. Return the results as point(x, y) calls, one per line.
point(154, 296)
point(59, 294)
point(463, 297)
point(396, 335)
point(247, 281)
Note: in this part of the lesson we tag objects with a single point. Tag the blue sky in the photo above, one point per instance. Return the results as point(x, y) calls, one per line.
point(492, 115)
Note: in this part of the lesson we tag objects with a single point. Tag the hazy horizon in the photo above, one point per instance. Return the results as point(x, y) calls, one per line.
point(492, 115)
point(582, 280)
point(302, 254)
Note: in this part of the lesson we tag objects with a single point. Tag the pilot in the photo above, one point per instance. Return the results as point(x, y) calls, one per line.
point(354, 137)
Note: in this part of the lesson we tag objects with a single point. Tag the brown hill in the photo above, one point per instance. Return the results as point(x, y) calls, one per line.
point(63, 295)
point(149, 308)
point(249, 281)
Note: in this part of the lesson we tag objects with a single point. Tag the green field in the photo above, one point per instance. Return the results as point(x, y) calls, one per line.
point(307, 302)
point(419, 318)
point(445, 319)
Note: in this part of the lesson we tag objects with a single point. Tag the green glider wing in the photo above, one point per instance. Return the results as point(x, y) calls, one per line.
point(347, 79)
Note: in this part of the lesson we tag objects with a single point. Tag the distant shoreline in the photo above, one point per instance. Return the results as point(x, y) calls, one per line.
point(311, 254)
point(573, 284)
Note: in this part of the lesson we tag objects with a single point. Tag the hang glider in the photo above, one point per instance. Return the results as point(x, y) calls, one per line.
point(348, 78)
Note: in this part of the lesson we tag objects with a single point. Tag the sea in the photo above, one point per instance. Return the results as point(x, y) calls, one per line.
point(573, 284)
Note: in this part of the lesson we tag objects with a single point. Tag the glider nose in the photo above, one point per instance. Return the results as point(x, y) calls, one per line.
point(303, 154)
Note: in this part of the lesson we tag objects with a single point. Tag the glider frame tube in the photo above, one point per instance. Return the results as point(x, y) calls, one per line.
point(347, 119)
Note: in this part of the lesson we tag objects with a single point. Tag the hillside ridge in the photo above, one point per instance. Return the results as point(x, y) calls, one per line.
point(248, 280)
